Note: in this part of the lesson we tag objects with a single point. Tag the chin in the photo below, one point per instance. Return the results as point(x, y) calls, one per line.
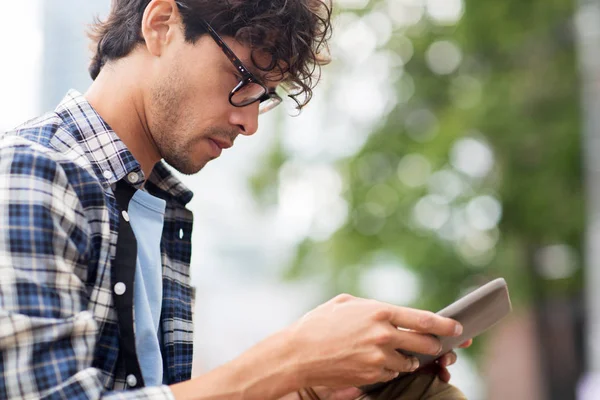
point(184, 166)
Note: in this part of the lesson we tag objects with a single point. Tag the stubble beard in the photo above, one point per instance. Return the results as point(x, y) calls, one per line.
point(174, 134)
point(171, 127)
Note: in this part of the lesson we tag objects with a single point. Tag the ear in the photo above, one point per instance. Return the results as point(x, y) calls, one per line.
point(160, 25)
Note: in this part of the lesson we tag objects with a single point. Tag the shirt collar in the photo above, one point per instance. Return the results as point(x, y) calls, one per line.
point(162, 179)
point(108, 155)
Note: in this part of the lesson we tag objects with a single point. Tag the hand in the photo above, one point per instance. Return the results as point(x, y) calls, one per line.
point(440, 367)
point(350, 341)
point(353, 393)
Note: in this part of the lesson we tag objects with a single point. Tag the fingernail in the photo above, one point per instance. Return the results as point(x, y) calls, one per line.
point(458, 330)
point(415, 363)
point(440, 349)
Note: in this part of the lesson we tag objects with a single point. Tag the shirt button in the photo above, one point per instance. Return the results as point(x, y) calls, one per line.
point(133, 177)
point(120, 289)
point(125, 215)
point(107, 174)
point(131, 380)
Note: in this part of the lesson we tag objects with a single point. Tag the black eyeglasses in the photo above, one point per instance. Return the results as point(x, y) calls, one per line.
point(250, 89)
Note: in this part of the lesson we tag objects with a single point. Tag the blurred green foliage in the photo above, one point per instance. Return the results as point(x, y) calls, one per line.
point(516, 93)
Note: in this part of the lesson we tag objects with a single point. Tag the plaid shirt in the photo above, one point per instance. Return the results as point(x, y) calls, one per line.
point(59, 223)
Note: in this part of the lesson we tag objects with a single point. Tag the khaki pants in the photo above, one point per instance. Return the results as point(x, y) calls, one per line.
point(420, 386)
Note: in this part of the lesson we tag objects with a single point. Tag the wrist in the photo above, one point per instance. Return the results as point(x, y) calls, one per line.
point(291, 357)
point(269, 369)
point(266, 371)
point(301, 360)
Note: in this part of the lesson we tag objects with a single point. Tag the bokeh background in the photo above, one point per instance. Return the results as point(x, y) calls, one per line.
point(450, 142)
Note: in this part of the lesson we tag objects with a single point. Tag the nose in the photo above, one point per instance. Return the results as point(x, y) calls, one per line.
point(245, 118)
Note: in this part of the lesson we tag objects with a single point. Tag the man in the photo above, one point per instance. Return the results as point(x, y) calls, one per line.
point(95, 299)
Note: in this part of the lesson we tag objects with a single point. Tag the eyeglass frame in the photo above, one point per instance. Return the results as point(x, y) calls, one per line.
point(247, 76)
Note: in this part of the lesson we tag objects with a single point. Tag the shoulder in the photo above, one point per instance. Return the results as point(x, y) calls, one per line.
point(22, 159)
point(44, 157)
point(40, 193)
point(39, 136)
point(31, 176)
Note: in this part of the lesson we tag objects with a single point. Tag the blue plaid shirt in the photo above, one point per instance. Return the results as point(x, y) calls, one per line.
point(59, 223)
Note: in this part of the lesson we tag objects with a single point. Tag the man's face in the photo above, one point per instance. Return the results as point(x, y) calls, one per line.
point(188, 112)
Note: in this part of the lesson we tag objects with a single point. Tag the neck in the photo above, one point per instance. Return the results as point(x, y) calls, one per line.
point(118, 99)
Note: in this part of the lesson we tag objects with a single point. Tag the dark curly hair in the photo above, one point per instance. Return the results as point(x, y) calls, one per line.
point(294, 33)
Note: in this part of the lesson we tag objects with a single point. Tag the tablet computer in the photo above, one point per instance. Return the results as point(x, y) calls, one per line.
point(477, 312)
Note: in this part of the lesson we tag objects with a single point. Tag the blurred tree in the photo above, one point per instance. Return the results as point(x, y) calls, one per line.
point(475, 172)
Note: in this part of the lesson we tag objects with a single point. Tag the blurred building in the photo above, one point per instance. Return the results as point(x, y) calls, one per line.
point(512, 368)
point(65, 51)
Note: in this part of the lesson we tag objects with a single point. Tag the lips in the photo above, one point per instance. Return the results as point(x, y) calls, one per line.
point(215, 148)
point(223, 144)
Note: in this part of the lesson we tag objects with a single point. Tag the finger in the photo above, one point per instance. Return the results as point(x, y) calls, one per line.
point(399, 362)
point(388, 374)
point(452, 357)
point(466, 344)
point(423, 321)
point(415, 342)
point(444, 375)
point(448, 359)
point(444, 360)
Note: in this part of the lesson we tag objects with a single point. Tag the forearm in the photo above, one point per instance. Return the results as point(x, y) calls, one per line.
point(266, 371)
